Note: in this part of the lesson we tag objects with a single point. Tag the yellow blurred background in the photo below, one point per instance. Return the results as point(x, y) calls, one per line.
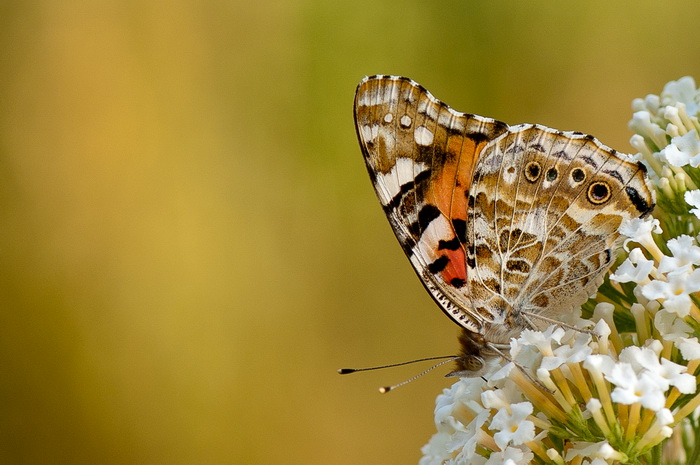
point(190, 244)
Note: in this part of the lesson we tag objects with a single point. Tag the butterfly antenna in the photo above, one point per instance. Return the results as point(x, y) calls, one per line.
point(345, 371)
point(386, 389)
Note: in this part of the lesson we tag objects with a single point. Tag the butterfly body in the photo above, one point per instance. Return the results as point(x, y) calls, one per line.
point(506, 226)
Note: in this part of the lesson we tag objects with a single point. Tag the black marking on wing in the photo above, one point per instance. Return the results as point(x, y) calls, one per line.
point(589, 161)
point(452, 244)
point(438, 265)
point(408, 187)
point(639, 203)
point(426, 215)
point(460, 227)
point(471, 261)
point(478, 137)
point(615, 174)
point(562, 154)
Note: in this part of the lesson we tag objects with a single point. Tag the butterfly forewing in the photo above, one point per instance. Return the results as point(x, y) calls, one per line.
point(421, 155)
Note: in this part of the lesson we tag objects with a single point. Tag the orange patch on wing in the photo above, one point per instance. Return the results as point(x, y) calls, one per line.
point(456, 268)
point(455, 179)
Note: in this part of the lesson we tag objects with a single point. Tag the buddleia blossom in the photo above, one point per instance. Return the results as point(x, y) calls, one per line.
point(589, 400)
point(623, 388)
point(666, 128)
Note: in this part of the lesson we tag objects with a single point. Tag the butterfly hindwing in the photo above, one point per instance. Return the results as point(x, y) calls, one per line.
point(547, 206)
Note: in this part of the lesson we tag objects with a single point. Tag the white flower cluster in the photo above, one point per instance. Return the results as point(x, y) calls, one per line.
point(470, 418)
point(667, 129)
point(665, 287)
point(591, 392)
point(627, 395)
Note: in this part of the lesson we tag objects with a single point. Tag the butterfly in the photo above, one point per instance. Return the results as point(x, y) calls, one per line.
point(508, 227)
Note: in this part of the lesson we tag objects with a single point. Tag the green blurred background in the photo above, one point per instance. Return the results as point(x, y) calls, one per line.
point(189, 241)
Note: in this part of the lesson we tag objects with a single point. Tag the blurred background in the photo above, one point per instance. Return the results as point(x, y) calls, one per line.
point(189, 242)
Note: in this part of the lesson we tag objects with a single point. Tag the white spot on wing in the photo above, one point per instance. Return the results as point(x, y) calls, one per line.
point(405, 121)
point(388, 118)
point(423, 136)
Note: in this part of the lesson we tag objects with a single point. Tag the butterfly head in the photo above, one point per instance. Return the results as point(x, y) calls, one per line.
point(471, 362)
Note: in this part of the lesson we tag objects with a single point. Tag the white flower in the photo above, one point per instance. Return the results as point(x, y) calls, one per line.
point(635, 268)
point(640, 376)
point(682, 90)
point(640, 230)
point(598, 363)
point(465, 440)
point(683, 150)
point(505, 369)
point(566, 353)
point(692, 198)
point(604, 311)
point(435, 452)
point(685, 253)
point(651, 103)
point(459, 418)
point(631, 388)
point(641, 357)
point(676, 376)
point(464, 393)
point(674, 156)
point(512, 426)
point(664, 373)
point(674, 293)
point(542, 340)
point(640, 144)
point(689, 347)
point(670, 326)
point(641, 124)
point(664, 417)
point(676, 115)
point(680, 117)
point(502, 397)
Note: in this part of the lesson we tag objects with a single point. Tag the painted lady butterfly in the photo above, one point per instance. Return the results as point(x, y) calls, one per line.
point(508, 227)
